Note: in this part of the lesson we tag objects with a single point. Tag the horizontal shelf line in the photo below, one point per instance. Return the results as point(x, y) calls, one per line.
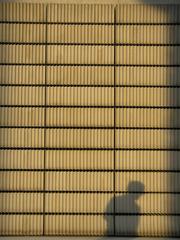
point(90, 213)
point(86, 192)
point(86, 170)
point(89, 149)
point(91, 234)
point(90, 44)
point(89, 127)
point(90, 23)
point(88, 64)
point(89, 85)
point(85, 106)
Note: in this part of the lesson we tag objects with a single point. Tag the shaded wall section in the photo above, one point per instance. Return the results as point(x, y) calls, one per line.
point(149, 138)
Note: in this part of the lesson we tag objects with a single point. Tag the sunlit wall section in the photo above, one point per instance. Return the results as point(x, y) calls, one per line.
point(56, 118)
point(89, 120)
point(22, 97)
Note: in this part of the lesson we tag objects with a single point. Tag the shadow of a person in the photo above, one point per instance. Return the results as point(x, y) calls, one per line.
point(127, 211)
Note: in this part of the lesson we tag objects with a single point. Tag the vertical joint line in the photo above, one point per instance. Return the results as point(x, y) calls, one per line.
point(45, 103)
point(114, 230)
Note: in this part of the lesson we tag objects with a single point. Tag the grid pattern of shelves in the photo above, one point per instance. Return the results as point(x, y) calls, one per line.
point(89, 105)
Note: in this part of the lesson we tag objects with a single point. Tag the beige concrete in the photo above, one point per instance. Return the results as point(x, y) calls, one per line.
point(79, 159)
point(158, 224)
point(162, 181)
point(20, 202)
point(22, 54)
point(22, 95)
point(13, 74)
point(88, 96)
point(17, 137)
point(21, 116)
point(152, 181)
point(21, 180)
point(79, 138)
point(148, 55)
point(80, 75)
point(151, 13)
point(127, 96)
point(150, 139)
point(78, 202)
point(80, 117)
point(21, 159)
point(79, 181)
point(147, 34)
point(94, 225)
point(80, 13)
point(157, 76)
point(80, 33)
point(21, 224)
point(149, 203)
point(79, 54)
point(23, 33)
point(114, 2)
point(86, 238)
point(152, 160)
point(140, 117)
point(22, 12)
